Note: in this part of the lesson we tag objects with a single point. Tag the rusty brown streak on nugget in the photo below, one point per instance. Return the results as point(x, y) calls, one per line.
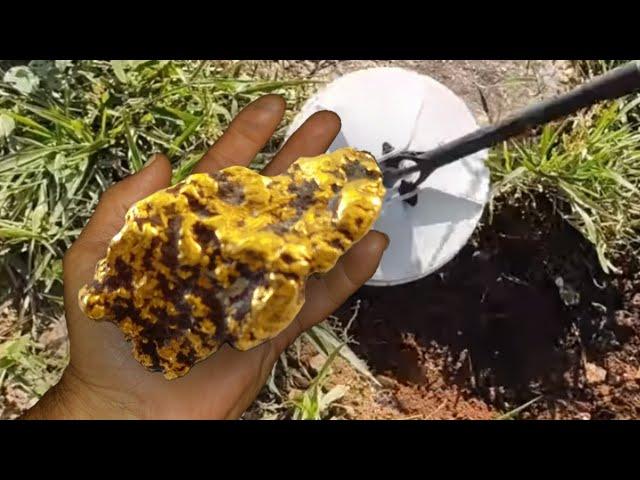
point(224, 257)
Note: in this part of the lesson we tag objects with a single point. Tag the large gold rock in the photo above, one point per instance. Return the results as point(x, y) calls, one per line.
point(224, 257)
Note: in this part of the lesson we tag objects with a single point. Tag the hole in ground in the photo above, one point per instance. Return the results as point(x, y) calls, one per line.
point(496, 313)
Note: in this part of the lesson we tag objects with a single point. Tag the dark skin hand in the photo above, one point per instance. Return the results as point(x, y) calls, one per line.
point(104, 381)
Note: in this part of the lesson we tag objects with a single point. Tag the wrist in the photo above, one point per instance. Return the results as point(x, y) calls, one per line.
point(73, 399)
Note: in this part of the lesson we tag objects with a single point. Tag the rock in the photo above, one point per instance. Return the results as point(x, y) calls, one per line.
point(614, 379)
point(294, 393)
point(386, 382)
point(299, 381)
point(594, 373)
point(604, 391)
point(569, 295)
point(224, 257)
point(631, 375)
point(624, 319)
point(317, 362)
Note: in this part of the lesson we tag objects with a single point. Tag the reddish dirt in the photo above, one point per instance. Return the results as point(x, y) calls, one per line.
point(403, 401)
point(493, 330)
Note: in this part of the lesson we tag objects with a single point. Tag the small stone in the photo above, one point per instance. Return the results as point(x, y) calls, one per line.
point(613, 379)
point(594, 373)
point(630, 374)
point(567, 293)
point(349, 411)
point(317, 362)
point(385, 381)
point(624, 319)
point(298, 380)
point(224, 257)
point(604, 390)
point(294, 393)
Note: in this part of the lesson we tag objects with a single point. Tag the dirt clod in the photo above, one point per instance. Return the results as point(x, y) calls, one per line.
point(594, 374)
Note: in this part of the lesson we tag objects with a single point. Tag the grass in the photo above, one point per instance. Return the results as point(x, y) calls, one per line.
point(19, 358)
point(514, 414)
point(70, 129)
point(590, 166)
point(592, 68)
point(293, 392)
point(314, 402)
point(27, 370)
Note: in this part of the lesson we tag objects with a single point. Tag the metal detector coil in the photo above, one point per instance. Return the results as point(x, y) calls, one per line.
point(388, 110)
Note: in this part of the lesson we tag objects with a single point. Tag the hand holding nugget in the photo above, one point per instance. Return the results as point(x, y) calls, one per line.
point(224, 257)
point(104, 380)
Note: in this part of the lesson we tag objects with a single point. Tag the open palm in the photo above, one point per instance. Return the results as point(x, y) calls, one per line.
point(104, 381)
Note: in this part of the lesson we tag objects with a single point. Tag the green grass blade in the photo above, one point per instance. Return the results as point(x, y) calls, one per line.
point(513, 413)
point(134, 154)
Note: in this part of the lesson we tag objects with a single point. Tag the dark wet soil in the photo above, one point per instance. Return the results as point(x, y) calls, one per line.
point(523, 312)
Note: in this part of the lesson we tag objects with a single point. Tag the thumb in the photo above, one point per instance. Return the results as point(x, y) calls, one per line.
point(108, 217)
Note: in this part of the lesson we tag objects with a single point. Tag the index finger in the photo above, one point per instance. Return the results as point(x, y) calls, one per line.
point(313, 138)
point(246, 136)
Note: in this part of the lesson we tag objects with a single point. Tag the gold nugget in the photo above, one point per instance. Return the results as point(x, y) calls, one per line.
point(224, 257)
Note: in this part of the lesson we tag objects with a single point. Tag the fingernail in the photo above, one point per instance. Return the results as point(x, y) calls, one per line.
point(152, 159)
point(272, 102)
point(387, 240)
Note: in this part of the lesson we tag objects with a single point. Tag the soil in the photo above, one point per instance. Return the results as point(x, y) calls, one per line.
point(49, 347)
point(491, 88)
point(398, 400)
point(523, 312)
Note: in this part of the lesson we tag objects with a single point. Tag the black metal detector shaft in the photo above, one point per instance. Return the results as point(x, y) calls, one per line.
point(614, 84)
